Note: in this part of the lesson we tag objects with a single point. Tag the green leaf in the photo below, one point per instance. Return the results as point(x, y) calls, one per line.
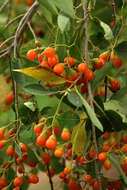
point(66, 6)
point(57, 165)
point(83, 2)
point(47, 14)
point(63, 22)
point(32, 156)
point(18, 77)
point(108, 32)
point(74, 99)
point(101, 73)
point(48, 111)
point(90, 112)
point(121, 49)
point(30, 105)
point(49, 5)
point(68, 119)
point(117, 165)
point(37, 89)
point(18, 150)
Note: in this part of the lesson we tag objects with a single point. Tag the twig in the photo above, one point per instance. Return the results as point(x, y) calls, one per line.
point(13, 20)
point(32, 31)
point(50, 178)
point(91, 97)
point(4, 5)
point(9, 10)
point(113, 11)
point(45, 21)
point(7, 40)
point(23, 23)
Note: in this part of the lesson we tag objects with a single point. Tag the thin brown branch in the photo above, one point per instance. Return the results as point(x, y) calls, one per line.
point(114, 11)
point(32, 31)
point(9, 10)
point(46, 23)
point(13, 20)
point(91, 97)
point(4, 5)
point(7, 40)
point(50, 178)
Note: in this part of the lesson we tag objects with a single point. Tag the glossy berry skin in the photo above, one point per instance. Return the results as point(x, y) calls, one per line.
point(58, 68)
point(52, 61)
point(115, 86)
point(45, 64)
point(41, 141)
point(103, 56)
point(58, 152)
point(74, 186)
point(82, 67)
point(37, 129)
point(102, 156)
point(10, 151)
point(99, 64)
point(31, 54)
point(24, 147)
point(2, 144)
point(87, 178)
point(33, 179)
point(118, 63)
point(89, 75)
point(51, 143)
point(107, 164)
point(18, 181)
point(57, 130)
point(10, 98)
point(70, 60)
point(49, 52)
point(67, 170)
point(65, 135)
point(3, 183)
point(1, 133)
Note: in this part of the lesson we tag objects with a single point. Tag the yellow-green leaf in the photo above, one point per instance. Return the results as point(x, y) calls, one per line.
point(79, 136)
point(41, 73)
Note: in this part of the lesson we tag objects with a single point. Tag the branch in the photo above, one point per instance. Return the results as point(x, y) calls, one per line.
point(90, 96)
point(113, 11)
point(13, 20)
point(45, 21)
point(4, 5)
point(7, 40)
point(32, 31)
point(50, 178)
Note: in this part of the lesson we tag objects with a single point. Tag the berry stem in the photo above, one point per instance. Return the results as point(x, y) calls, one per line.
point(91, 96)
point(113, 11)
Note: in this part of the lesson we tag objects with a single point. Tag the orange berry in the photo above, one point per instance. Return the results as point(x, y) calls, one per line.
point(89, 75)
point(16, 188)
point(58, 68)
point(103, 56)
point(65, 135)
point(49, 52)
point(91, 153)
point(45, 64)
point(2, 144)
point(124, 148)
point(29, 3)
point(10, 151)
point(46, 158)
point(58, 152)
point(41, 141)
point(52, 61)
point(99, 64)
point(88, 178)
point(70, 60)
point(37, 129)
point(18, 181)
point(40, 58)
point(51, 143)
point(37, 43)
point(24, 147)
point(112, 57)
point(67, 170)
point(105, 148)
point(1, 133)
point(31, 54)
point(10, 98)
point(82, 67)
point(102, 156)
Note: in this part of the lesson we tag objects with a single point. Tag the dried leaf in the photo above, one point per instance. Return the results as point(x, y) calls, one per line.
point(41, 73)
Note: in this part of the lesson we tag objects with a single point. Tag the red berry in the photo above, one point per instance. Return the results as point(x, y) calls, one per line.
point(29, 3)
point(52, 61)
point(107, 164)
point(115, 86)
point(74, 186)
point(118, 63)
point(18, 181)
point(33, 179)
point(124, 148)
point(1, 133)
point(57, 130)
point(82, 67)
point(49, 52)
point(99, 64)
point(10, 98)
point(51, 173)
point(51, 143)
point(58, 68)
point(2, 144)
point(16, 188)
point(70, 60)
point(65, 135)
point(31, 54)
point(62, 175)
point(3, 183)
point(89, 75)
point(46, 158)
point(37, 129)
point(103, 56)
point(88, 178)
point(91, 153)
point(41, 141)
